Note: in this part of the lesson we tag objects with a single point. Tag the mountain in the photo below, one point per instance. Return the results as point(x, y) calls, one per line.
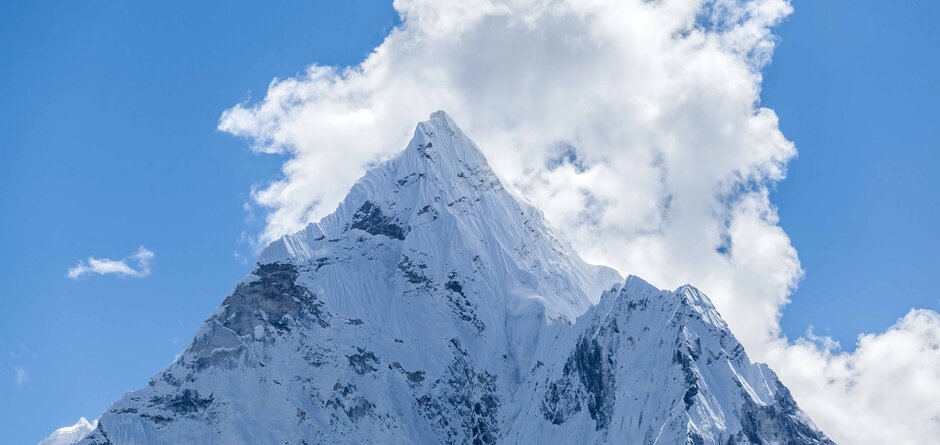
point(70, 434)
point(648, 366)
point(434, 306)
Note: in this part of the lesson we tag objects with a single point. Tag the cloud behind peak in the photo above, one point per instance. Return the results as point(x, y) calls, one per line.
point(636, 126)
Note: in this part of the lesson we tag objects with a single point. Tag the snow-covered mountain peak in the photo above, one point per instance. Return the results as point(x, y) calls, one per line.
point(70, 434)
point(636, 292)
point(439, 200)
point(701, 304)
point(442, 158)
point(439, 171)
point(433, 306)
point(82, 423)
point(650, 366)
point(636, 286)
point(440, 128)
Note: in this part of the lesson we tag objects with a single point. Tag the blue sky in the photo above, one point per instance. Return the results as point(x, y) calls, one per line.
point(854, 84)
point(109, 110)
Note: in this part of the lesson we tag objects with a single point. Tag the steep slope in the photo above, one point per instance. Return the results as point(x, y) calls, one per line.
point(406, 315)
point(433, 306)
point(646, 366)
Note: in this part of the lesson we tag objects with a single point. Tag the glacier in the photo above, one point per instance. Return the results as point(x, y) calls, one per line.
point(435, 305)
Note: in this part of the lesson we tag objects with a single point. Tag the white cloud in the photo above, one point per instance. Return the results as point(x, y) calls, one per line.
point(886, 391)
point(634, 122)
point(136, 265)
point(635, 125)
point(21, 375)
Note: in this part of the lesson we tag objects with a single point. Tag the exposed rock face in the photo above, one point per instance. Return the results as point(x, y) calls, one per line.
point(369, 218)
point(435, 307)
point(652, 366)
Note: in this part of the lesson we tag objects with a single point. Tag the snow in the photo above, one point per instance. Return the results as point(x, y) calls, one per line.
point(70, 434)
point(434, 306)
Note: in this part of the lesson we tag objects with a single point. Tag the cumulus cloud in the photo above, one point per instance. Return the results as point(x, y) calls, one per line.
point(20, 375)
point(635, 125)
point(886, 391)
point(136, 265)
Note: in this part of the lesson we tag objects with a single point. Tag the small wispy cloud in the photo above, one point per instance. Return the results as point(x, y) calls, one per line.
point(136, 265)
point(21, 375)
point(823, 342)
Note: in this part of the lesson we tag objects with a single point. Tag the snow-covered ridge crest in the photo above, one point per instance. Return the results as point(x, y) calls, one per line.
point(435, 160)
point(433, 306)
